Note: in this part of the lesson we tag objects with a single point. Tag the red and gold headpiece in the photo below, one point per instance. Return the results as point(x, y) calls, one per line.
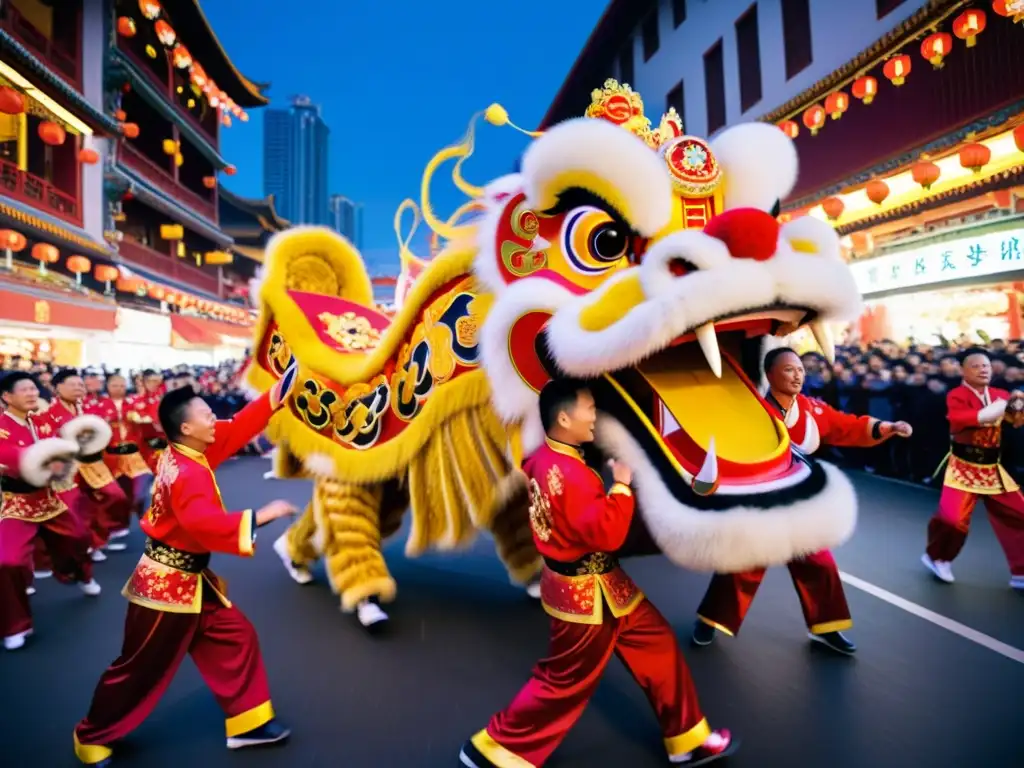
point(623, 106)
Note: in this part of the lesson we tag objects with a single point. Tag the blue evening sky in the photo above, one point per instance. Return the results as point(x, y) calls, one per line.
point(398, 81)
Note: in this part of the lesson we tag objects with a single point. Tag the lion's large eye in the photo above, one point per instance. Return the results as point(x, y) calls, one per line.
point(593, 241)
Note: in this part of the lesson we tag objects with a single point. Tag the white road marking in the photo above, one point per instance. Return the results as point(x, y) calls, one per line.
point(1014, 654)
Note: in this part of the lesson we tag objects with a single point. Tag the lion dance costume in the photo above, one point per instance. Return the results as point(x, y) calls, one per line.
point(592, 261)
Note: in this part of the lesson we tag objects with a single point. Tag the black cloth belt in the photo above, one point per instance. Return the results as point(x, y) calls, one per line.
point(125, 449)
point(156, 443)
point(172, 557)
point(92, 458)
point(594, 564)
point(975, 454)
point(16, 485)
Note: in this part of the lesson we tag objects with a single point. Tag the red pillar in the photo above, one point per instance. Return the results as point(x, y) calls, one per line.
point(1013, 315)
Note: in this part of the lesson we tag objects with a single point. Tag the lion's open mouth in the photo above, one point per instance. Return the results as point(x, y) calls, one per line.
point(708, 434)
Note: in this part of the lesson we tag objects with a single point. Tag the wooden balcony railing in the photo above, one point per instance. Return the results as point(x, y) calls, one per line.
point(134, 159)
point(170, 267)
point(63, 62)
point(22, 185)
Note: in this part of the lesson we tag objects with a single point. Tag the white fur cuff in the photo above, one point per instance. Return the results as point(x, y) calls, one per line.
point(76, 429)
point(33, 461)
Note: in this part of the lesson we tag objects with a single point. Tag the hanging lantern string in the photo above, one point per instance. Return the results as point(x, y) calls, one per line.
point(849, 79)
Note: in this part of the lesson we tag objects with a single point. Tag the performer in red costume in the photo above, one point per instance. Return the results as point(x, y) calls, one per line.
point(93, 494)
point(811, 423)
point(177, 604)
point(976, 412)
point(31, 508)
point(93, 389)
point(143, 412)
point(123, 456)
point(596, 609)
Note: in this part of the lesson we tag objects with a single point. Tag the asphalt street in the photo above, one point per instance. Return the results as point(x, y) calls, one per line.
point(462, 640)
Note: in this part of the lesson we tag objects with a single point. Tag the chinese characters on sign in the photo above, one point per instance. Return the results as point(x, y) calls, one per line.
point(993, 253)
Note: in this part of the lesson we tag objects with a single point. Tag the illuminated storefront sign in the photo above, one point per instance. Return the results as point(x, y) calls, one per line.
point(994, 253)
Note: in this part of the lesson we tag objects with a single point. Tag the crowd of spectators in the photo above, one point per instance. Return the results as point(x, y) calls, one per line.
point(909, 383)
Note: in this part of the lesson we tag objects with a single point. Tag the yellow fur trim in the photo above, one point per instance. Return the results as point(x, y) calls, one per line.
point(384, 589)
point(389, 460)
point(300, 538)
point(256, 377)
point(302, 337)
point(472, 473)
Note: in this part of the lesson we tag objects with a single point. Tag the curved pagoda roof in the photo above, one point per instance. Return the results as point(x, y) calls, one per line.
point(249, 222)
point(188, 19)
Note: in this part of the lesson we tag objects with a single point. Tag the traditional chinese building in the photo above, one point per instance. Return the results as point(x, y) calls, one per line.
point(173, 88)
point(914, 150)
point(250, 224)
point(54, 138)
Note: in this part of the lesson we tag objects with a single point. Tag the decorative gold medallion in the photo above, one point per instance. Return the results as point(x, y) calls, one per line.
point(351, 331)
point(540, 512)
point(555, 481)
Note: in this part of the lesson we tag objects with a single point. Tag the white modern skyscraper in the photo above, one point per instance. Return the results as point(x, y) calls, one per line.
point(346, 218)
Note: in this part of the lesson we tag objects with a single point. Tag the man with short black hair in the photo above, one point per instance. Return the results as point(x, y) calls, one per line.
point(811, 423)
point(177, 604)
point(596, 609)
point(976, 412)
point(30, 508)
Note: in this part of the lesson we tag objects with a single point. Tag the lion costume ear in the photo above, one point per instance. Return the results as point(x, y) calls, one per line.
point(759, 163)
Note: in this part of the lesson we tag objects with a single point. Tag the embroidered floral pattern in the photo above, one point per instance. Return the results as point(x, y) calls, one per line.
point(31, 507)
point(153, 582)
point(555, 481)
point(540, 512)
point(568, 595)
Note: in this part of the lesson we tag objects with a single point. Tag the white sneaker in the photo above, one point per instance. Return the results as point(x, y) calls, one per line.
point(533, 590)
point(116, 546)
point(370, 613)
point(30, 591)
point(14, 642)
point(270, 475)
point(941, 569)
point(119, 534)
point(298, 574)
point(42, 574)
point(1017, 582)
point(97, 555)
point(90, 588)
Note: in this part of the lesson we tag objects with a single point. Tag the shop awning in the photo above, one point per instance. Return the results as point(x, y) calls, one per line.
point(43, 310)
point(200, 332)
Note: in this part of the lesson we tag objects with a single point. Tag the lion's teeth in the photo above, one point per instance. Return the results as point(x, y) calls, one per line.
point(539, 244)
point(708, 340)
point(706, 481)
point(823, 335)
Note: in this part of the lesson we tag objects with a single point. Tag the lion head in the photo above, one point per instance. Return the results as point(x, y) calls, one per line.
point(653, 264)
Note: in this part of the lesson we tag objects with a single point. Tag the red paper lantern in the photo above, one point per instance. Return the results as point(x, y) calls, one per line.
point(836, 104)
point(209, 182)
point(165, 33)
point(79, 265)
point(926, 174)
point(936, 47)
point(126, 26)
point(120, 114)
point(1018, 137)
point(150, 8)
point(52, 133)
point(877, 191)
point(230, 170)
point(833, 207)
point(975, 156)
point(12, 102)
point(181, 57)
point(897, 68)
point(130, 130)
point(1009, 9)
point(12, 241)
point(45, 253)
point(814, 118)
point(88, 156)
point(864, 88)
point(156, 292)
point(969, 25)
point(105, 273)
point(790, 128)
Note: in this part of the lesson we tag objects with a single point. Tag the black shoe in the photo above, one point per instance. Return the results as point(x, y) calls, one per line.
point(471, 757)
point(268, 733)
point(703, 634)
point(836, 641)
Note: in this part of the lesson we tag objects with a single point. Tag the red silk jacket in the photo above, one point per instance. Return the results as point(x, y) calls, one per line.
point(974, 456)
point(813, 423)
point(143, 412)
point(187, 520)
point(122, 456)
point(25, 497)
point(577, 528)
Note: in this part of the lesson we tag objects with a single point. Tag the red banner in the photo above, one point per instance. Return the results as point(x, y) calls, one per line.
point(22, 308)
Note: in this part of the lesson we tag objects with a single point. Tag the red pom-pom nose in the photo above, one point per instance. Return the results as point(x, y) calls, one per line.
point(748, 233)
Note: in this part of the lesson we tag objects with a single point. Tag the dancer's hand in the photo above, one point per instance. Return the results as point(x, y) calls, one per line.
point(620, 472)
point(273, 511)
point(899, 429)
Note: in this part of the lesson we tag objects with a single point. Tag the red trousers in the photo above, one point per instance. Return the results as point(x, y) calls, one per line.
point(817, 583)
point(947, 530)
point(222, 643)
point(67, 542)
point(539, 717)
point(105, 509)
